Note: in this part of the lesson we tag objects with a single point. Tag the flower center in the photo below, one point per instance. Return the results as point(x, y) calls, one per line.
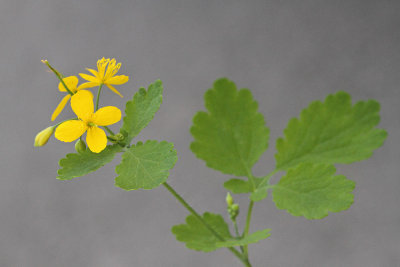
point(91, 124)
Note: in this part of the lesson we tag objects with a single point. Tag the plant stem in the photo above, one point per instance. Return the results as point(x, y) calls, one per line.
point(191, 210)
point(237, 234)
point(247, 227)
point(98, 97)
point(267, 178)
point(65, 121)
point(59, 76)
point(109, 130)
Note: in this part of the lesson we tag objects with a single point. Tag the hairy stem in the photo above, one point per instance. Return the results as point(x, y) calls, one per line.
point(191, 210)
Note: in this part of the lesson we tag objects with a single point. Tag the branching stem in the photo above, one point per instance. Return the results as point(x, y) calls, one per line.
point(239, 255)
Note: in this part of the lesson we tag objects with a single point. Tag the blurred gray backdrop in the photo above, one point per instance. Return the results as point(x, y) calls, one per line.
point(287, 52)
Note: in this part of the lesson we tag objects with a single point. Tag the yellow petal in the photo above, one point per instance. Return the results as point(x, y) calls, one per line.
point(121, 79)
point(95, 73)
point(106, 116)
point(113, 89)
point(82, 104)
point(71, 82)
point(70, 130)
point(87, 85)
point(60, 107)
point(96, 139)
point(89, 77)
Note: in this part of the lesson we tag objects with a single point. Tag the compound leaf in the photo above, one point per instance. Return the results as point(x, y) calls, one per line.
point(252, 238)
point(197, 236)
point(312, 190)
point(232, 135)
point(331, 132)
point(80, 164)
point(145, 165)
point(141, 109)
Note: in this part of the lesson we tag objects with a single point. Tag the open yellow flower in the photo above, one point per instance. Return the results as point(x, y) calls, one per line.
point(105, 74)
point(72, 83)
point(88, 120)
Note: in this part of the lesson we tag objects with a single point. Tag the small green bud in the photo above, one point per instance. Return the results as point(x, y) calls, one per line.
point(229, 199)
point(80, 146)
point(44, 136)
point(235, 208)
point(116, 138)
point(119, 137)
point(233, 211)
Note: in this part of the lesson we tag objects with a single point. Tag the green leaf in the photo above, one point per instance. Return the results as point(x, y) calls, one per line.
point(80, 164)
point(197, 236)
point(239, 186)
point(232, 135)
point(145, 165)
point(331, 132)
point(252, 238)
point(141, 109)
point(312, 190)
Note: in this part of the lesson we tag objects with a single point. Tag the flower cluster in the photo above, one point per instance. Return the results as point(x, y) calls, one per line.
point(89, 117)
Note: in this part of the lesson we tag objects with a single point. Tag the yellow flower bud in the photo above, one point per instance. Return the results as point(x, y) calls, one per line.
point(44, 136)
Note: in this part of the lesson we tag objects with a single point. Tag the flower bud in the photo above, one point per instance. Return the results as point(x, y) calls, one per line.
point(80, 146)
point(44, 136)
point(233, 211)
point(229, 199)
point(235, 208)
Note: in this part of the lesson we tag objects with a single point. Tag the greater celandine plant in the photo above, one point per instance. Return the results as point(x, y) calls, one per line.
point(230, 137)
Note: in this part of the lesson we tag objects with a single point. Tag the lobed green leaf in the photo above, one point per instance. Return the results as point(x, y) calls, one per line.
point(145, 165)
point(141, 110)
point(80, 164)
point(197, 236)
point(331, 132)
point(231, 135)
point(312, 190)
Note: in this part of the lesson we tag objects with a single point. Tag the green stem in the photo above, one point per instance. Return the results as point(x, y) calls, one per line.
point(98, 97)
point(237, 234)
point(64, 121)
point(59, 76)
point(247, 227)
point(109, 130)
point(251, 180)
point(191, 210)
point(267, 178)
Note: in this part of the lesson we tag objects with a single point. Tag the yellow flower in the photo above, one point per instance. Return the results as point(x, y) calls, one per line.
point(103, 76)
point(88, 120)
point(71, 82)
point(44, 136)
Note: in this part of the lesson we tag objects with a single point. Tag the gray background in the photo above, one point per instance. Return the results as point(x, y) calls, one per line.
point(287, 52)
